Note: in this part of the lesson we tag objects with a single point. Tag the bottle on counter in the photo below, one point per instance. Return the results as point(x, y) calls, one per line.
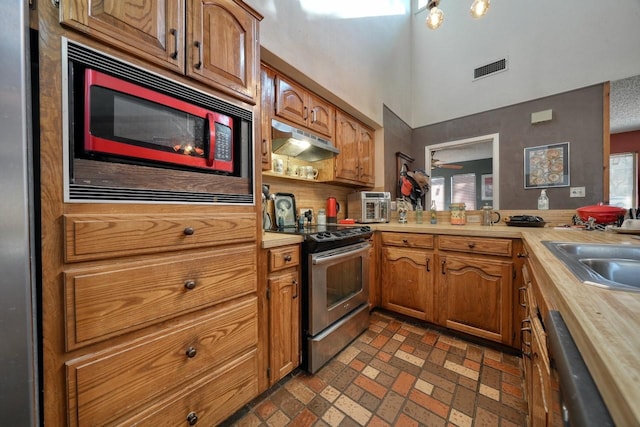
point(543, 200)
point(322, 217)
point(419, 212)
point(433, 213)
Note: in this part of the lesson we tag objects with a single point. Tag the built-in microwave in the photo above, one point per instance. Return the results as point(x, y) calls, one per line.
point(128, 120)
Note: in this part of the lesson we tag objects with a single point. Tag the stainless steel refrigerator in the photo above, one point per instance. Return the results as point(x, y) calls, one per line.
point(18, 243)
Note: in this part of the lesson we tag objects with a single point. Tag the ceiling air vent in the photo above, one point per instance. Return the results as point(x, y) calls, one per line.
point(487, 70)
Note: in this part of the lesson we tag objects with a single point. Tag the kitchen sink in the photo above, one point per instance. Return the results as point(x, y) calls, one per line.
point(605, 265)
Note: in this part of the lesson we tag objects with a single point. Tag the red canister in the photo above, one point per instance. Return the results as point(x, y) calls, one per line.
point(333, 207)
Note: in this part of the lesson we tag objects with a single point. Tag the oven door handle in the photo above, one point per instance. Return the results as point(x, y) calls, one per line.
point(323, 259)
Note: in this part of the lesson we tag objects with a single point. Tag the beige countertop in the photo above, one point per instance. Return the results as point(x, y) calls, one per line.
point(604, 324)
point(274, 239)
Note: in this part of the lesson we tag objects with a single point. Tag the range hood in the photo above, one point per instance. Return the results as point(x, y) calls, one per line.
point(293, 142)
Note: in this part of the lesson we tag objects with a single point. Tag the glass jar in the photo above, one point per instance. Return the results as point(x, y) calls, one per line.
point(458, 214)
point(403, 208)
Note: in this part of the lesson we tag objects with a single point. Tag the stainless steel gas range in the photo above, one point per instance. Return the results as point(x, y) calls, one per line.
point(335, 289)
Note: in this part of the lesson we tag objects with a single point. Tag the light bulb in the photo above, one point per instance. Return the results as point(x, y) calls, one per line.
point(435, 18)
point(479, 8)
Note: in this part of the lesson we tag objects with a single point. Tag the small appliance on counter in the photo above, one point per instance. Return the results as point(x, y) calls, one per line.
point(333, 207)
point(369, 206)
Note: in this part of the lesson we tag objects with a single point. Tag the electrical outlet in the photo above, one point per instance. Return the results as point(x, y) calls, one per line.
point(301, 211)
point(576, 192)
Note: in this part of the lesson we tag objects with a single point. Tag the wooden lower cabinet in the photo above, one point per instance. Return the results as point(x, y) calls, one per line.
point(408, 282)
point(207, 401)
point(476, 296)
point(283, 292)
point(110, 387)
point(541, 382)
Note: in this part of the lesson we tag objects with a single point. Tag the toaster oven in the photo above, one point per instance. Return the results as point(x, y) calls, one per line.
point(369, 206)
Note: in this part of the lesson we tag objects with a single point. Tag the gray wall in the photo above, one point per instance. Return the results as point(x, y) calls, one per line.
point(577, 119)
point(397, 137)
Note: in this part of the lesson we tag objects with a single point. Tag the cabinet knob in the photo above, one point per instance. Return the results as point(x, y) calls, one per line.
point(405, 241)
point(522, 255)
point(191, 352)
point(192, 418)
point(287, 257)
point(189, 231)
point(472, 245)
point(190, 284)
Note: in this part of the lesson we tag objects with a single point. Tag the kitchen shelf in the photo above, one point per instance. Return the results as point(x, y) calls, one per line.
point(290, 177)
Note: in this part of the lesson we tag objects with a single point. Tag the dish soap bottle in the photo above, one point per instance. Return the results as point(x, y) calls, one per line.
point(419, 212)
point(433, 214)
point(543, 200)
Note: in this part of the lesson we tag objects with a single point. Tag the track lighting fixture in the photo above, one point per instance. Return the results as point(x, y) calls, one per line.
point(435, 17)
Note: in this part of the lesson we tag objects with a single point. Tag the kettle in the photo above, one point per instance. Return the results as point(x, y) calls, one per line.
point(333, 207)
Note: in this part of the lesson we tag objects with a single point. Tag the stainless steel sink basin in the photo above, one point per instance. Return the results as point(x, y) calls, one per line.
point(605, 265)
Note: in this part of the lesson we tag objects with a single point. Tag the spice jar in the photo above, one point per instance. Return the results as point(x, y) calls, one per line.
point(458, 214)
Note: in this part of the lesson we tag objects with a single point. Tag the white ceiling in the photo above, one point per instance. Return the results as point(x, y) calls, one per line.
point(552, 47)
point(625, 105)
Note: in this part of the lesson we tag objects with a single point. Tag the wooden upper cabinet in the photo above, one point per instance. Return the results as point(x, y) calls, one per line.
point(366, 156)
point(222, 45)
point(355, 163)
point(218, 45)
point(297, 105)
point(153, 30)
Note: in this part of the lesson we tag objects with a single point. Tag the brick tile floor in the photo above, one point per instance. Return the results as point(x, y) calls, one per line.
point(398, 374)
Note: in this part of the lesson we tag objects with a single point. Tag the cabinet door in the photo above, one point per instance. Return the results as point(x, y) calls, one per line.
point(366, 157)
point(540, 377)
point(151, 29)
point(267, 100)
point(347, 137)
point(476, 296)
point(291, 101)
point(284, 320)
point(221, 45)
point(321, 116)
point(407, 282)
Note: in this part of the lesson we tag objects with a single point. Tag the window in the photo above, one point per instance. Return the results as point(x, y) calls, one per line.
point(623, 180)
point(463, 190)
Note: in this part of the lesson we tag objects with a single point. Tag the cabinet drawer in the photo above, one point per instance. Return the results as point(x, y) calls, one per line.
point(284, 257)
point(108, 301)
point(409, 240)
point(106, 386)
point(90, 237)
point(478, 245)
point(210, 400)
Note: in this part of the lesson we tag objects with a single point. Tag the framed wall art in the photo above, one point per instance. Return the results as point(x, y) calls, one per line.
point(546, 166)
point(486, 186)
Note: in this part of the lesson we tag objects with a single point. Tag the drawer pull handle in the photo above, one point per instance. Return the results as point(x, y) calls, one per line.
point(472, 245)
point(192, 418)
point(190, 284)
point(174, 33)
point(405, 241)
point(191, 352)
point(189, 231)
point(295, 287)
point(443, 269)
point(198, 46)
point(428, 269)
point(287, 257)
